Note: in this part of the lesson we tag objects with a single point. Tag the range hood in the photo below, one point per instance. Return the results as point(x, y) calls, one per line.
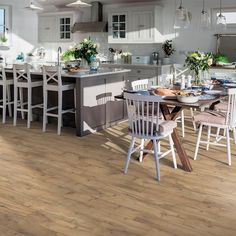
point(96, 24)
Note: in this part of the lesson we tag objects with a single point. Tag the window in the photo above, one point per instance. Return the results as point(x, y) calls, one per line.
point(229, 13)
point(2, 20)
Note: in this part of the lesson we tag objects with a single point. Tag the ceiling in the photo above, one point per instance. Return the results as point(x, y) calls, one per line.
point(64, 2)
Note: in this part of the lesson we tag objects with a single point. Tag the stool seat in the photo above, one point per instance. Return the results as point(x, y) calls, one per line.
point(65, 86)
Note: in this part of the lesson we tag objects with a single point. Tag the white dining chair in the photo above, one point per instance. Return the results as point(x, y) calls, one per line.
point(141, 84)
point(23, 80)
point(6, 101)
point(220, 120)
point(52, 82)
point(144, 123)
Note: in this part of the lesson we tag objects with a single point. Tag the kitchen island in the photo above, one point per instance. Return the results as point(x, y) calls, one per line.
point(96, 106)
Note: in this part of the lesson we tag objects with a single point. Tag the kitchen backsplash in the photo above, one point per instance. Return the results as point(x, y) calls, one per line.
point(101, 39)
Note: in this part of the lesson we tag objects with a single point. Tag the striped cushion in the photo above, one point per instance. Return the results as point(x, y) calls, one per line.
point(212, 117)
point(221, 106)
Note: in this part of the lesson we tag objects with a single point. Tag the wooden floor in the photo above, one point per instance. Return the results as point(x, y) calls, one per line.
point(64, 185)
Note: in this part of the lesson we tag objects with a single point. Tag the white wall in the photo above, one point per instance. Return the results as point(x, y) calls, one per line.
point(25, 33)
point(24, 28)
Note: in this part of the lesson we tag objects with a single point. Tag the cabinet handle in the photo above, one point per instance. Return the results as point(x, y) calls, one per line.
point(140, 26)
point(47, 28)
point(138, 71)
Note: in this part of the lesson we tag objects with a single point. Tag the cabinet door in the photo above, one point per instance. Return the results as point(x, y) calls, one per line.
point(47, 28)
point(143, 23)
point(65, 23)
point(118, 27)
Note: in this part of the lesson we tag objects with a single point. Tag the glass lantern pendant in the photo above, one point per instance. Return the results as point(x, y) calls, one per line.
point(181, 17)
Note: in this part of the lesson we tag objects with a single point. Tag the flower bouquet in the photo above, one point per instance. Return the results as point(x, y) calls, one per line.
point(198, 62)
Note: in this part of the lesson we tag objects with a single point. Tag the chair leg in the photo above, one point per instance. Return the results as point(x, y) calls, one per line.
point(4, 105)
point(21, 102)
point(59, 123)
point(173, 151)
point(9, 100)
point(15, 105)
point(45, 107)
point(159, 146)
point(141, 152)
point(129, 154)
point(198, 142)
point(234, 131)
point(156, 160)
point(182, 123)
point(217, 134)
point(228, 146)
point(192, 117)
point(29, 116)
point(208, 137)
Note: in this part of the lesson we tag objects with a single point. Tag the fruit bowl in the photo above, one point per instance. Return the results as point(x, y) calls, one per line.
point(190, 99)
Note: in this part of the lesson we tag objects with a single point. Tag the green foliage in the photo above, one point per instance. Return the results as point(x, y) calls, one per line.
point(3, 39)
point(168, 48)
point(198, 61)
point(85, 50)
point(221, 58)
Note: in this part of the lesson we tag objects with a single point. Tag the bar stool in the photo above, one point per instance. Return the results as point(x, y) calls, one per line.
point(6, 94)
point(52, 81)
point(23, 80)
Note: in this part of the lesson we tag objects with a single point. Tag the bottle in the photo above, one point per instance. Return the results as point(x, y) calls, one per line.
point(189, 81)
point(182, 86)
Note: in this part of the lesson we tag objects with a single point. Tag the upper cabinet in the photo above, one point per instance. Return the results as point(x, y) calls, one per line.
point(118, 26)
point(135, 25)
point(55, 28)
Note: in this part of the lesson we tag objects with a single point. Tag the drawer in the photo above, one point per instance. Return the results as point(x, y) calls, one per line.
point(143, 73)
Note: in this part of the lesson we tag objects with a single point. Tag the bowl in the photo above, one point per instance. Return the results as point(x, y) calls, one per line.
point(187, 99)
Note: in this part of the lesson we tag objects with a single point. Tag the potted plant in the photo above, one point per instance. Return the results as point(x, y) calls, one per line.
point(83, 51)
point(3, 40)
point(30, 57)
point(168, 50)
point(198, 62)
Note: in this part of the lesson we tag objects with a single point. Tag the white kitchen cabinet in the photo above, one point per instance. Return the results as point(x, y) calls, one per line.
point(55, 28)
point(118, 27)
point(47, 30)
point(143, 24)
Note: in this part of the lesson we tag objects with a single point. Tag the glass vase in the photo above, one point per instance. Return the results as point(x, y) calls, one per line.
point(84, 64)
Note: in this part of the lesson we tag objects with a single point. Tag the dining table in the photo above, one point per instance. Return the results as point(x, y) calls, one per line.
point(171, 109)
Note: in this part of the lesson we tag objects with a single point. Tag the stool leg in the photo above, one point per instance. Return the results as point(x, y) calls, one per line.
point(228, 146)
point(182, 123)
point(21, 102)
point(29, 117)
point(45, 107)
point(59, 124)
point(4, 105)
point(198, 142)
point(9, 100)
point(15, 104)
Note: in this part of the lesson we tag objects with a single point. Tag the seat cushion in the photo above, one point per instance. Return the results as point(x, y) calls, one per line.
point(221, 106)
point(211, 117)
point(165, 127)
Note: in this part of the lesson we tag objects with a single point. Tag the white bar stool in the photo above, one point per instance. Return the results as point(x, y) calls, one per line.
point(23, 80)
point(6, 94)
point(52, 81)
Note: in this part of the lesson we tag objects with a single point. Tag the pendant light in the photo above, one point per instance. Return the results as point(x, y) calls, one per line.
point(182, 17)
point(78, 3)
point(33, 7)
point(205, 21)
point(221, 20)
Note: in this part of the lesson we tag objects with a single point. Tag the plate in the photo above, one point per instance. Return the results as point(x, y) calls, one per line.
point(213, 92)
point(207, 97)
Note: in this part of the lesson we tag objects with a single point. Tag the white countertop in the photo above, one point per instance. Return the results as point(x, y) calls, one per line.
point(83, 73)
point(133, 65)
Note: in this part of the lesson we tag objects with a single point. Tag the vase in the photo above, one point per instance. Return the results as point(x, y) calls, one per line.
point(84, 64)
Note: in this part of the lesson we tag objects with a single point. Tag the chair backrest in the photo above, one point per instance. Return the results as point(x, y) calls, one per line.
point(52, 74)
point(143, 114)
point(178, 70)
point(21, 73)
point(2, 74)
point(140, 84)
point(231, 111)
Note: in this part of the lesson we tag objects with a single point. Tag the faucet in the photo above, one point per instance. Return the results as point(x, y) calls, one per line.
point(59, 51)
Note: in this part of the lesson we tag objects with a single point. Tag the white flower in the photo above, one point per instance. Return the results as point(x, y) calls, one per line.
point(85, 40)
